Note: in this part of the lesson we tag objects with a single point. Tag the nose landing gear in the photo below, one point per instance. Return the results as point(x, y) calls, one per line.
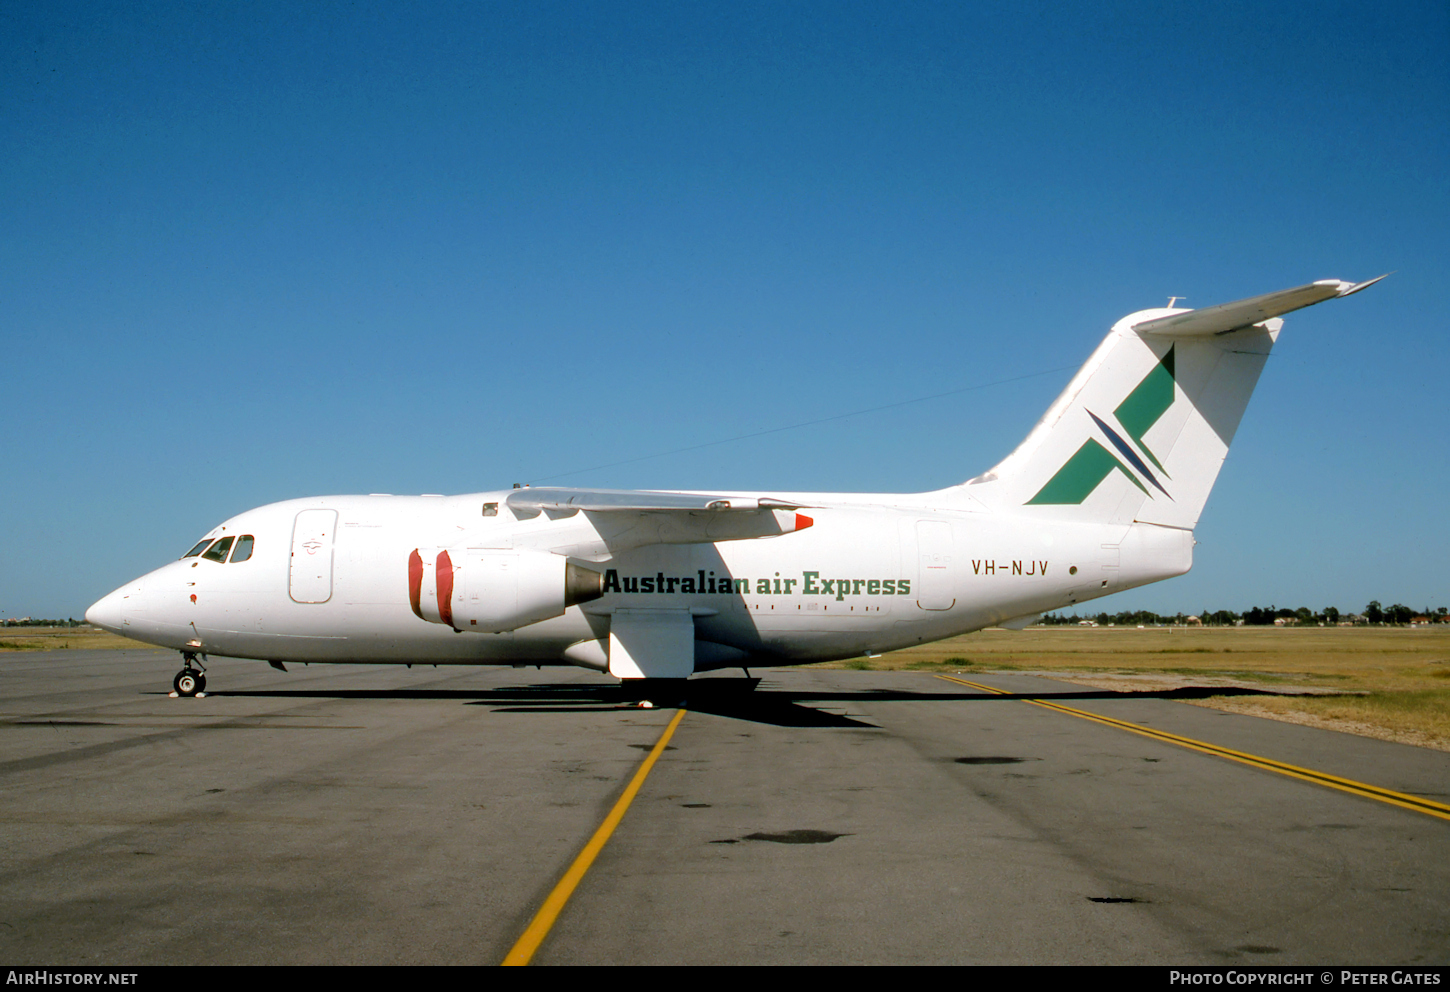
point(191, 680)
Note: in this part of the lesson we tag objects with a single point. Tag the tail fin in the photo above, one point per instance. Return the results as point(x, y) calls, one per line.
point(1143, 428)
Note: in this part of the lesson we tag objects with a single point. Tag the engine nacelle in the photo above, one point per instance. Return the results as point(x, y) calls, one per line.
point(490, 591)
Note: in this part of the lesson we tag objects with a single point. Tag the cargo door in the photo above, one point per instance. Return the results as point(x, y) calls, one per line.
point(313, 535)
point(936, 584)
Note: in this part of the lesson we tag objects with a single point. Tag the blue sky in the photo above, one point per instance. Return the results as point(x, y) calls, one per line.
point(250, 252)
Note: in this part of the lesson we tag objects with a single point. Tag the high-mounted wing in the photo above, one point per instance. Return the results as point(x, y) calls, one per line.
point(609, 521)
point(613, 500)
point(1234, 316)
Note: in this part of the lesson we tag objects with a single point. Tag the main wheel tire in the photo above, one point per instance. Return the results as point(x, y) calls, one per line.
point(188, 683)
point(201, 682)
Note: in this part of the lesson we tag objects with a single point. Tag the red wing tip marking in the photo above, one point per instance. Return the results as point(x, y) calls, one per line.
point(802, 521)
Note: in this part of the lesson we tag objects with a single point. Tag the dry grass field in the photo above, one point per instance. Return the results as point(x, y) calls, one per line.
point(1387, 682)
point(62, 638)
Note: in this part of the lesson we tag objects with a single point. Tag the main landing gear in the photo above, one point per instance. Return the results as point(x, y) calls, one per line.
point(191, 680)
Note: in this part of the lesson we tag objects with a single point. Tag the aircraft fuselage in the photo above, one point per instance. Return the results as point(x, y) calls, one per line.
point(864, 577)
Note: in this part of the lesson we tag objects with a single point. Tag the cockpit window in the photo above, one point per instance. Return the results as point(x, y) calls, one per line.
point(490, 509)
point(197, 550)
point(218, 551)
point(244, 549)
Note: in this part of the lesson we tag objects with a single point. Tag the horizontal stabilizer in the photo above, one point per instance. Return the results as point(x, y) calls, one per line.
point(607, 500)
point(1228, 317)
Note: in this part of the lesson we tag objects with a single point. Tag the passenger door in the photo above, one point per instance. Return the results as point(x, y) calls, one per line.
point(313, 535)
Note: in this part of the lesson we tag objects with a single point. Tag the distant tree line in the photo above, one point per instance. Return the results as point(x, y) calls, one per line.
point(32, 622)
point(1258, 616)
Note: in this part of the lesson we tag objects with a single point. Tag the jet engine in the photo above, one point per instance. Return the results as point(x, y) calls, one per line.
point(491, 591)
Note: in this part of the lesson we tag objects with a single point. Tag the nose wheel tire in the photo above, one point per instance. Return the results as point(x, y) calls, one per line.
point(189, 682)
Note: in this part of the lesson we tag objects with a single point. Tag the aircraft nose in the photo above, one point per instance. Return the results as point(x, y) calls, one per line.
point(107, 612)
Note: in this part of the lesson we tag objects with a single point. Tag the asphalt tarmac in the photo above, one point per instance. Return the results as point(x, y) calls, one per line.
point(361, 814)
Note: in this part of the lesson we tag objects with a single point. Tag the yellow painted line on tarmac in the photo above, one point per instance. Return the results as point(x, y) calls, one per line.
point(543, 920)
point(1401, 799)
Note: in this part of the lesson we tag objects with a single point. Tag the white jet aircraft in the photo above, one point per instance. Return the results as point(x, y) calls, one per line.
point(1102, 496)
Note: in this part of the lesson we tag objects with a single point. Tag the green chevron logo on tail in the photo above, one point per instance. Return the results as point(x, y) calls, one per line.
point(1092, 463)
point(1147, 403)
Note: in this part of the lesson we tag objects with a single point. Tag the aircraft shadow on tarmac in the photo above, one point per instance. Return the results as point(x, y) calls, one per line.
point(739, 699)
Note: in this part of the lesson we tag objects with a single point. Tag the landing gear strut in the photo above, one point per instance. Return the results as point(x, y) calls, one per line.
point(191, 680)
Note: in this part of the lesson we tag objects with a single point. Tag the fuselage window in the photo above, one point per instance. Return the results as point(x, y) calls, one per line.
point(197, 550)
point(244, 549)
point(490, 509)
point(218, 551)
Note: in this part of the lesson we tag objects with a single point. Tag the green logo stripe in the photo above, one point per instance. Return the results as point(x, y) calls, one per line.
point(1147, 403)
point(1081, 475)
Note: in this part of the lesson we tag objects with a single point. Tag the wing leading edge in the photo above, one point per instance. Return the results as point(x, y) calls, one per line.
point(625, 500)
point(609, 521)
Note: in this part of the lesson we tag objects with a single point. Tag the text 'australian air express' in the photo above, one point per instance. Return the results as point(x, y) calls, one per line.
point(1102, 496)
